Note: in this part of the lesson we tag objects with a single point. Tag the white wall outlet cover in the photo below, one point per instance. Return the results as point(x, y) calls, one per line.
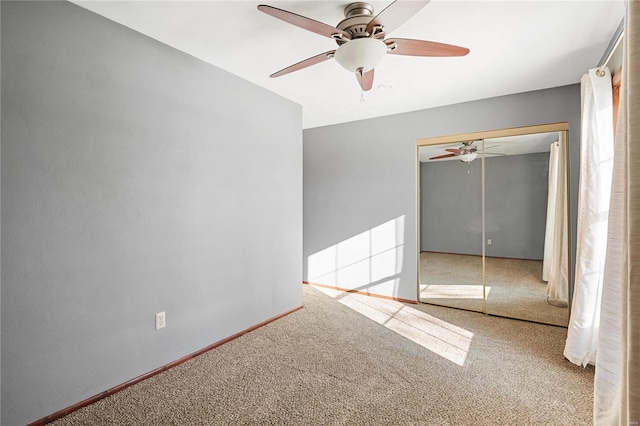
point(160, 320)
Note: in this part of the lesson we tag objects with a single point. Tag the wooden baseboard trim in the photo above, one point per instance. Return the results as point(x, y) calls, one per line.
point(364, 293)
point(65, 411)
point(479, 255)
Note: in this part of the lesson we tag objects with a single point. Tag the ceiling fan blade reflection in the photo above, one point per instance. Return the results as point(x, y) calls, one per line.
point(443, 156)
point(302, 21)
point(492, 146)
point(396, 14)
point(304, 64)
point(365, 80)
point(411, 47)
point(459, 151)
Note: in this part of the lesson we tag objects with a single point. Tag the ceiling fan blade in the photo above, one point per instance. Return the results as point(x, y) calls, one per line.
point(304, 22)
point(304, 64)
point(443, 156)
point(396, 14)
point(411, 47)
point(492, 146)
point(459, 151)
point(365, 80)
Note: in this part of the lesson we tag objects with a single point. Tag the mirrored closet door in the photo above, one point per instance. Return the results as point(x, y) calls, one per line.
point(494, 223)
point(451, 227)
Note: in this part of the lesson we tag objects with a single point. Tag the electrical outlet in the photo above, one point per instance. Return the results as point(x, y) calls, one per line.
point(489, 241)
point(160, 320)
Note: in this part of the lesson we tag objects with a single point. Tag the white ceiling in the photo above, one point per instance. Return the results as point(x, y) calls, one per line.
point(516, 46)
point(512, 145)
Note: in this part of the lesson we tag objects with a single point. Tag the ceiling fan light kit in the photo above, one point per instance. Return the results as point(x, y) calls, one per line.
point(361, 38)
point(468, 157)
point(361, 53)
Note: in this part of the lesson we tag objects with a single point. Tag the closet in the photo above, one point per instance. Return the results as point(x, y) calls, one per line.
point(493, 222)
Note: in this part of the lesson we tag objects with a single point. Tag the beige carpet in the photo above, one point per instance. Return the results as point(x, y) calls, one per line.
point(514, 286)
point(351, 359)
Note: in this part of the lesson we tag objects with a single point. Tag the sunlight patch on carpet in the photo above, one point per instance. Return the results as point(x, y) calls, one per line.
point(450, 291)
point(440, 337)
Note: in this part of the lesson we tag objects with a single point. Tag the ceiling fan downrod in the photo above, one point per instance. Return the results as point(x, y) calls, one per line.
point(357, 9)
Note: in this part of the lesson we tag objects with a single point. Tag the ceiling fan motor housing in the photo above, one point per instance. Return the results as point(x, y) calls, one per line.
point(468, 147)
point(357, 16)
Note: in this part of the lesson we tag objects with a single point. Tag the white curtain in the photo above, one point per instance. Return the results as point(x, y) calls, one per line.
point(617, 381)
point(555, 269)
point(551, 208)
point(596, 167)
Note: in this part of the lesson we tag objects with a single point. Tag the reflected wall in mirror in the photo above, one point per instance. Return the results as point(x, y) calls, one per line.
point(451, 227)
point(493, 231)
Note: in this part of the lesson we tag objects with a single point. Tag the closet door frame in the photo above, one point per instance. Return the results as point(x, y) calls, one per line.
point(482, 135)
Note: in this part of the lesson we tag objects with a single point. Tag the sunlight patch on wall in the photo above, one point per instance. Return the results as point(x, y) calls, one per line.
point(440, 337)
point(449, 291)
point(370, 259)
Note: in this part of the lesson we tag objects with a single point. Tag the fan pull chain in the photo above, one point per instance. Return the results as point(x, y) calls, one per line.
point(362, 99)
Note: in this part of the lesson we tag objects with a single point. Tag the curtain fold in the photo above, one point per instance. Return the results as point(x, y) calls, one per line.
point(596, 168)
point(555, 264)
point(617, 380)
point(551, 208)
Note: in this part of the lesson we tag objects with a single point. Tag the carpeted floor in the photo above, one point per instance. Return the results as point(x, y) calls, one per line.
point(514, 286)
point(352, 359)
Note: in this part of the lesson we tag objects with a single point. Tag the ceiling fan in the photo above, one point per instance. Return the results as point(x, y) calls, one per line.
point(361, 38)
point(466, 153)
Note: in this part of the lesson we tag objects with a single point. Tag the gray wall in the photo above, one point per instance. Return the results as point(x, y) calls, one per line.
point(451, 207)
point(361, 174)
point(516, 206)
point(135, 179)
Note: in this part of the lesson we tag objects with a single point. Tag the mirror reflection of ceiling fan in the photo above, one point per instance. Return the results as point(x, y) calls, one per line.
point(361, 38)
point(466, 153)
